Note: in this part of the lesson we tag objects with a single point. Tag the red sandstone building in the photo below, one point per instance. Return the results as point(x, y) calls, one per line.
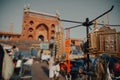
point(36, 26)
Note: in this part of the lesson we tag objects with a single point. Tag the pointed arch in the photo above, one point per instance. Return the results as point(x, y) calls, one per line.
point(41, 26)
point(30, 37)
point(41, 38)
point(30, 29)
point(42, 29)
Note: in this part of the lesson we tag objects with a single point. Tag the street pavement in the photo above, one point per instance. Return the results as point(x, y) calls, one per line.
point(40, 71)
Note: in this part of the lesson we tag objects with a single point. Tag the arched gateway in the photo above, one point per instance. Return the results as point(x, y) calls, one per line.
point(41, 38)
point(38, 26)
point(42, 33)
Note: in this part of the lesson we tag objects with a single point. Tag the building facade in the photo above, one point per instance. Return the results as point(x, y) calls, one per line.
point(38, 26)
point(9, 36)
point(105, 40)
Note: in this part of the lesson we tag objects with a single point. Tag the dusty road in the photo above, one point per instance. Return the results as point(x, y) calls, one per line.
point(41, 71)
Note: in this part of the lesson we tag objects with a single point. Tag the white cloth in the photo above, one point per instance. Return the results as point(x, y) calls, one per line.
point(29, 62)
point(53, 69)
point(56, 70)
point(19, 64)
point(108, 71)
point(8, 67)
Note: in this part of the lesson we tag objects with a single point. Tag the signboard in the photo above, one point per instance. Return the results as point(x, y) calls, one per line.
point(44, 45)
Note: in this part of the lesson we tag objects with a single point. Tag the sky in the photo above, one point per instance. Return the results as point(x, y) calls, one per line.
point(11, 11)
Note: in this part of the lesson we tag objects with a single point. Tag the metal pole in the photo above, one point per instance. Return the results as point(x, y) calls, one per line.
point(87, 32)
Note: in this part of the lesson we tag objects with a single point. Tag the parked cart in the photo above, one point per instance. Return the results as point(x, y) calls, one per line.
point(26, 69)
point(23, 69)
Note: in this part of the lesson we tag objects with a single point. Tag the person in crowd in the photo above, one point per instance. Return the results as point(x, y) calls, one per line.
point(41, 52)
point(33, 52)
point(1, 60)
point(88, 67)
point(81, 75)
point(15, 52)
point(54, 68)
point(87, 62)
point(51, 68)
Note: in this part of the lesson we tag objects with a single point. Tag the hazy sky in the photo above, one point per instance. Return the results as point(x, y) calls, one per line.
point(11, 11)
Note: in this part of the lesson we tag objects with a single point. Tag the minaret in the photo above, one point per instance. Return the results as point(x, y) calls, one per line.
point(27, 7)
point(11, 27)
point(103, 22)
point(95, 25)
point(108, 18)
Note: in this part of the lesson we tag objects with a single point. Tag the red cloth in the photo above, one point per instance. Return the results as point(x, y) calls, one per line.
point(117, 67)
point(15, 63)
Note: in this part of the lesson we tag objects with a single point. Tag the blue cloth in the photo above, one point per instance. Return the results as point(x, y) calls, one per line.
point(33, 52)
